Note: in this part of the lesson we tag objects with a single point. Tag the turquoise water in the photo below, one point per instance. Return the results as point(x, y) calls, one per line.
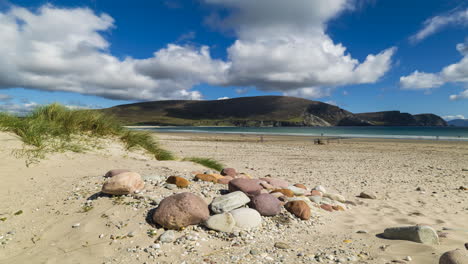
point(434, 133)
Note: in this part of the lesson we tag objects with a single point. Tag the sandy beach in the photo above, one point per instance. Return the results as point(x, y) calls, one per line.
point(52, 212)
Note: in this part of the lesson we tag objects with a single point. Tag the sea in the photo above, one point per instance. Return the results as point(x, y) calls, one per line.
point(422, 133)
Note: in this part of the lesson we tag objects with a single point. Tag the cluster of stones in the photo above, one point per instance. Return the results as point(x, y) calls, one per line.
point(242, 208)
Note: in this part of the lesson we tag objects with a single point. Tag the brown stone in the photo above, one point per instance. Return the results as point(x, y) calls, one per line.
point(114, 172)
point(285, 192)
point(206, 177)
point(276, 183)
point(327, 207)
point(299, 185)
point(123, 183)
point(316, 193)
point(266, 204)
point(181, 210)
point(179, 181)
point(225, 180)
point(338, 208)
point(299, 209)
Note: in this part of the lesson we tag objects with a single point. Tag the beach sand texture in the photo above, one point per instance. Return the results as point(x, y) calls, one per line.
point(53, 193)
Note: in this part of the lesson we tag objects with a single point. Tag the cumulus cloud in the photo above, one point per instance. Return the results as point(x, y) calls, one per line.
point(437, 23)
point(63, 49)
point(452, 117)
point(18, 108)
point(223, 98)
point(462, 95)
point(454, 73)
point(281, 46)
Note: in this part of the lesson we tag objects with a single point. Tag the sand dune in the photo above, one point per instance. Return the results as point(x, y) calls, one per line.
point(52, 195)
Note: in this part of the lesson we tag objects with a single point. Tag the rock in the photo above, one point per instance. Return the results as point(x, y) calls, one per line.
point(277, 194)
point(266, 185)
point(206, 177)
point(457, 256)
point(225, 180)
point(367, 195)
point(299, 209)
point(408, 258)
point(302, 198)
point(167, 237)
point(420, 234)
point(246, 218)
point(285, 192)
point(123, 183)
point(276, 183)
point(320, 188)
point(316, 199)
point(221, 222)
point(229, 172)
point(181, 210)
point(76, 225)
point(114, 172)
point(362, 232)
point(244, 176)
point(248, 186)
point(266, 204)
point(316, 193)
point(326, 200)
point(170, 186)
point(466, 246)
point(420, 189)
point(327, 207)
point(228, 202)
point(179, 181)
point(338, 207)
point(282, 245)
point(297, 190)
point(462, 188)
point(335, 197)
point(299, 185)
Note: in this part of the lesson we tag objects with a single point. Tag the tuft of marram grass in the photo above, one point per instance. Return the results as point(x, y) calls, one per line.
point(207, 162)
point(52, 127)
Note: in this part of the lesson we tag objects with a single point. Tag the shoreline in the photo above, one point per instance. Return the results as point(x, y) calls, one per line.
point(315, 136)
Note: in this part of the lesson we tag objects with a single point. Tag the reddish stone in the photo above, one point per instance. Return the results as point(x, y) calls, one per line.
point(181, 210)
point(299, 209)
point(327, 207)
point(225, 180)
point(247, 186)
point(123, 183)
point(276, 183)
point(206, 177)
point(338, 208)
point(229, 172)
point(114, 172)
point(266, 204)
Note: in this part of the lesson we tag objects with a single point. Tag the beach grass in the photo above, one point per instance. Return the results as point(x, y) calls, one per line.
point(207, 162)
point(54, 127)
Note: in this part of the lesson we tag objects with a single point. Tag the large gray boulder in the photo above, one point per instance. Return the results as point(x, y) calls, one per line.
point(421, 234)
point(229, 202)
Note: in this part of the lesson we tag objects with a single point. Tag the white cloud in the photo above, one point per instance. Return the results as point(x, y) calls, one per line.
point(281, 46)
point(5, 97)
point(18, 108)
point(332, 102)
point(63, 49)
point(435, 24)
point(462, 95)
point(452, 117)
point(454, 73)
point(223, 98)
point(420, 80)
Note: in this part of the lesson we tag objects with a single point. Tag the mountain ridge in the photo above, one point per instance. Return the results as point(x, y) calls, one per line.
point(259, 111)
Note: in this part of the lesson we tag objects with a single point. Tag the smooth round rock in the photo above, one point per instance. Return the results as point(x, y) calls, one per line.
point(181, 210)
point(123, 183)
point(367, 195)
point(207, 178)
point(266, 204)
point(335, 197)
point(297, 190)
point(315, 199)
point(420, 234)
point(114, 172)
point(276, 183)
point(298, 208)
point(178, 181)
point(221, 222)
point(246, 218)
point(285, 192)
point(167, 237)
point(320, 188)
point(300, 185)
point(229, 172)
point(248, 186)
point(225, 180)
point(458, 256)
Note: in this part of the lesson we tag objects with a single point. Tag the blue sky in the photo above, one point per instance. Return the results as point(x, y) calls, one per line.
point(363, 55)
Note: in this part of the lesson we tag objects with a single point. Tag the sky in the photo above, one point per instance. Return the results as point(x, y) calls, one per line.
point(361, 55)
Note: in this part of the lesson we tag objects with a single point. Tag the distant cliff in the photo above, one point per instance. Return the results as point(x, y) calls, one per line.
point(258, 111)
point(458, 122)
